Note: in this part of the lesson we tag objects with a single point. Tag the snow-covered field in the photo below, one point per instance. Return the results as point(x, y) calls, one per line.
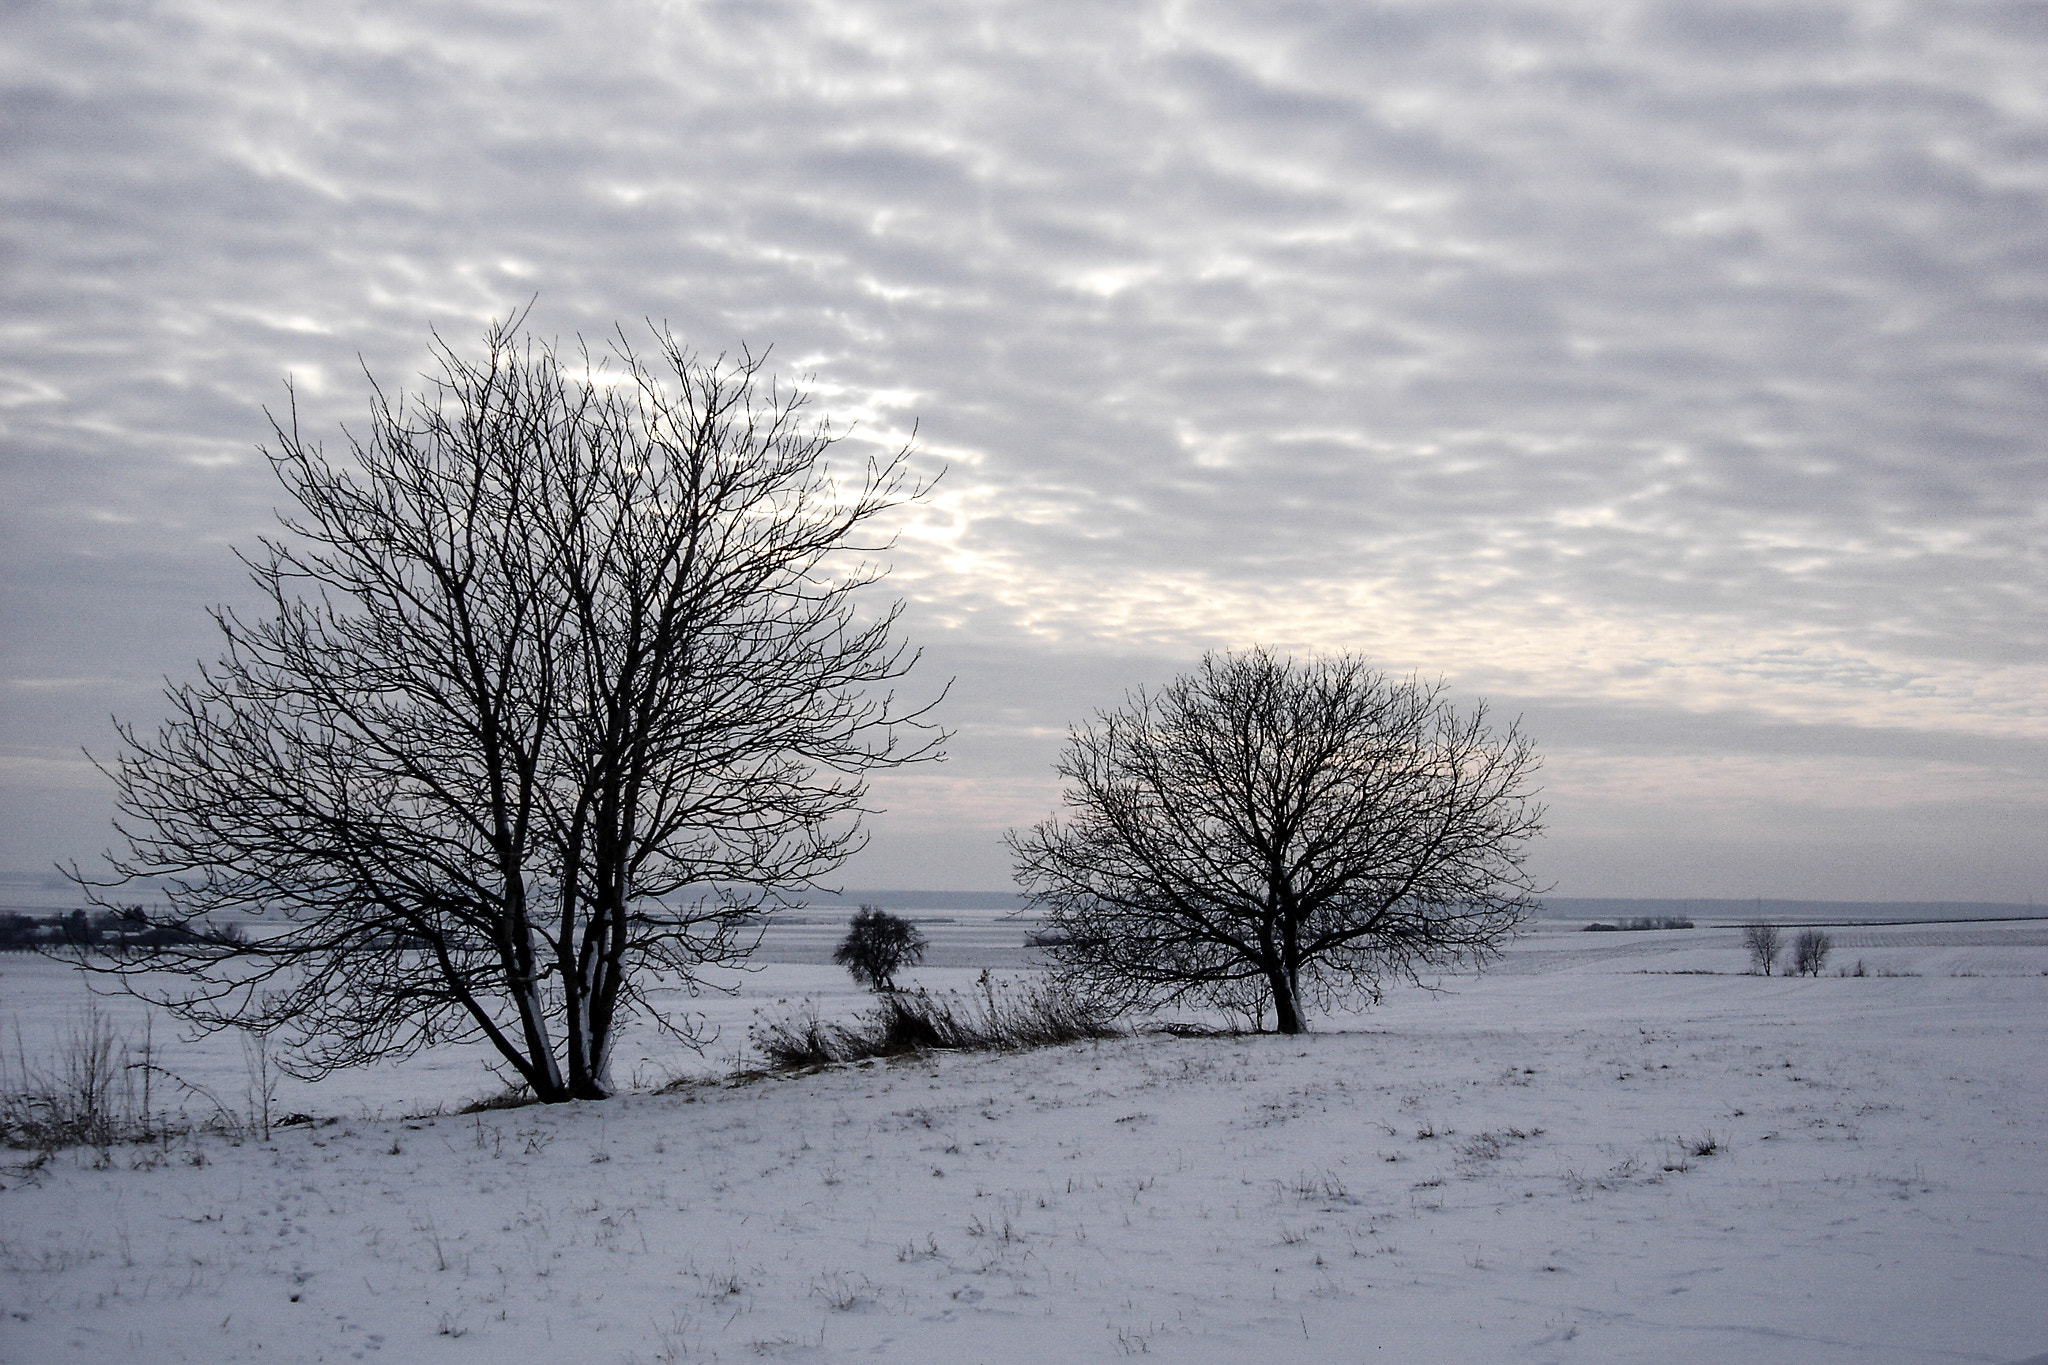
point(1589, 1154)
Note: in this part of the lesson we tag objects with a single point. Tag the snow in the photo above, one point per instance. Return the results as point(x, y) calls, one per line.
point(1610, 1148)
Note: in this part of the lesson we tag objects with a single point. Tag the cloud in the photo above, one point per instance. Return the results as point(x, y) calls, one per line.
point(1670, 357)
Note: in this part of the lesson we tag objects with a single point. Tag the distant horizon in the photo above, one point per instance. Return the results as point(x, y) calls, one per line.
point(984, 897)
point(852, 896)
point(969, 897)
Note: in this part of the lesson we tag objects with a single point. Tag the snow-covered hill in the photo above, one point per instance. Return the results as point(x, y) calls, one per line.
point(1594, 1156)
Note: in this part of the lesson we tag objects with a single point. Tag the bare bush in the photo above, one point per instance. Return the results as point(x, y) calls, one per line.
point(802, 1039)
point(1810, 952)
point(1000, 1016)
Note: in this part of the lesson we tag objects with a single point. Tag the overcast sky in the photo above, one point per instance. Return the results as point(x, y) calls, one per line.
point(1674, 376)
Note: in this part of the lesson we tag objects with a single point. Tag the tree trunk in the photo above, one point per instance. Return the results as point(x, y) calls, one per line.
point(1286, 1008)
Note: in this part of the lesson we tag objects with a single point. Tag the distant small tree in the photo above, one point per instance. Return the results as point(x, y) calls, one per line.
point(1764, 944)
point(1810, 952)
point(877, 946)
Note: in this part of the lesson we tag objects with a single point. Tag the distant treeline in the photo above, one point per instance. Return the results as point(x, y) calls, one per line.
point(108, 930)
point(1640, 922)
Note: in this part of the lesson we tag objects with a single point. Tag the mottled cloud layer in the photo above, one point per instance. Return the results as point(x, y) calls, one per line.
point(1673, 375)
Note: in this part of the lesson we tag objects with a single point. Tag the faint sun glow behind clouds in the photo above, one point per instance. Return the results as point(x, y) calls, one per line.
point(1671, 375)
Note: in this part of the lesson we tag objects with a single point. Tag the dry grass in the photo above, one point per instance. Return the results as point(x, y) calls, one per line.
point(95, 1093)
point(106, 1087)
point(1000, 1016)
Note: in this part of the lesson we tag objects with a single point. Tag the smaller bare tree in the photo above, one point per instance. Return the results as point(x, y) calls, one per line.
point(877, 946)
point(1810, 952)
point(1272, 833)
point(1764, 944)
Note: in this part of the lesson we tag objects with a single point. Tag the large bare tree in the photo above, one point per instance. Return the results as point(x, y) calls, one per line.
point(1265, 833)
point(558, 678)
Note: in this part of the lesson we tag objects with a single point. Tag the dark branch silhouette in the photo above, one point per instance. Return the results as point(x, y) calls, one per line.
point(559, 679)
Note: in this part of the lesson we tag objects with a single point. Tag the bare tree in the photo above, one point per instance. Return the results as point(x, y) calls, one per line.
point(877, 946)
point(1263, 832)
point(1764, 943)
point(1810, 952)
point(558, 680)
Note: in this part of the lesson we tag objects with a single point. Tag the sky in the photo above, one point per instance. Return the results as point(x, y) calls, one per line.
point(1671, 376)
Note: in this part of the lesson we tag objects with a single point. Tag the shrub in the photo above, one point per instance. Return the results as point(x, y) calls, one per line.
point(1764, 943)
point(877, 946)
point(1810, 952)
point(801, 1039)
point(1001, 1016)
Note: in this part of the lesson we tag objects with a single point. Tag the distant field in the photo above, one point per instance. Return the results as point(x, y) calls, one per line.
point(1783, 911)
point(1972, 936)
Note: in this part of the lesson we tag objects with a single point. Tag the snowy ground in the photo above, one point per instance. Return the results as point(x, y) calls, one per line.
point(1589, 1154)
